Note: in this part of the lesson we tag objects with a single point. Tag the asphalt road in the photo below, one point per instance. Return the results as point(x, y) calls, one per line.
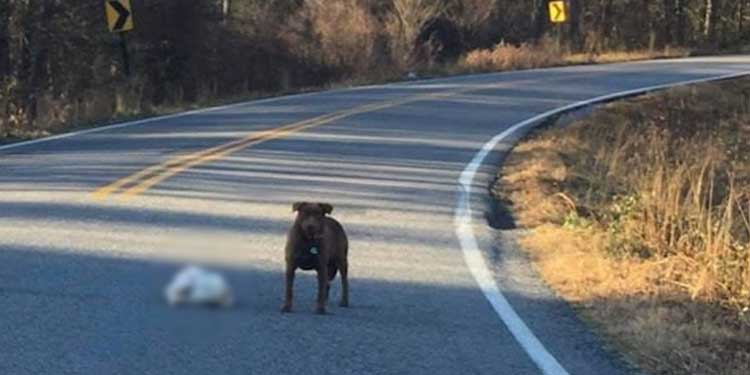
point(92, 227)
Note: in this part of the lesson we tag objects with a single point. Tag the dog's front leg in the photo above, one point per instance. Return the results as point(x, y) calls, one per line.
point(289, 285)
point(322, 288)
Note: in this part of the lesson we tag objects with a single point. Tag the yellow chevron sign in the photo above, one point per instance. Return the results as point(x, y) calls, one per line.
point(119, 15)
point(558, 13)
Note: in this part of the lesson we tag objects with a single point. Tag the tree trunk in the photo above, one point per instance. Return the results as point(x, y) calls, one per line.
point(539, 18)
point(4, 62)
point(740, 18)
point(574, 25)
point(680, 14)
point(669, 13)
point(604, 27)
point(18, 64)
point(711, 20)
point(652, 32)
point(707, 25)
point(225, 6)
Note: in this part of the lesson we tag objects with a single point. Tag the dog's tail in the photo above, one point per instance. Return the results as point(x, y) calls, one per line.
point(332, 269)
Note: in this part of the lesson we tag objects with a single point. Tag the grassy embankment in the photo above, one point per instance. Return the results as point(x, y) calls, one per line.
point(639, 215)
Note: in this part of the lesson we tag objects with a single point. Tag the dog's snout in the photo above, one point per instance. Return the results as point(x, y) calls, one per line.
point(311, 229)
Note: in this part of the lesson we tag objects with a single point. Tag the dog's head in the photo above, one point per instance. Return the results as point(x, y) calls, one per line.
point(310, 217)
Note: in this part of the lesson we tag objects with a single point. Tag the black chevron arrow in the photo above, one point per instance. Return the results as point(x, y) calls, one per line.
point(122, 14)
point(558, 11)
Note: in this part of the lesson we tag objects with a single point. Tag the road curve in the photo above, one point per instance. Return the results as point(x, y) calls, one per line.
point(93, 224)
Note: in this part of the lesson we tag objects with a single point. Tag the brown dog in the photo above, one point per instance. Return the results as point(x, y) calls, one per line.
point(316, 241)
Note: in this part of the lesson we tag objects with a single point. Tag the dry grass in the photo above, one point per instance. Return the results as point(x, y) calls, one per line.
point(640, 217)
point(655, 325)
point(506, 56)
point(623, 56)
point(546, 54)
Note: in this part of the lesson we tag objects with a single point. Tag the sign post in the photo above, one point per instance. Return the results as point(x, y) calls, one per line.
point(125, 55)
point(119, 20)
point(558, 14)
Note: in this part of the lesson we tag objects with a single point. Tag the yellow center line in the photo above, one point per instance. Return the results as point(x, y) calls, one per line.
point(208, 157)
point(139, 182)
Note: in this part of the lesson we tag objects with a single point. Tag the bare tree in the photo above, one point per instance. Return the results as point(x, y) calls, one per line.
point(471, 14)
point(669, 13)
point(406, 22)
point(680, 14)
point(575, 39)
point(712, 16)
point(707, 24)
point(740, 16)
point(337, 33)
point(17, 89)
point(538, 18)
point(225, 6)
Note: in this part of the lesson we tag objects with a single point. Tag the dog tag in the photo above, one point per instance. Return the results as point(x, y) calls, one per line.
point(314, 250)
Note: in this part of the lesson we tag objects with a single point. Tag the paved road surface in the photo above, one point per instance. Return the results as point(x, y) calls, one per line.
point(92, 226)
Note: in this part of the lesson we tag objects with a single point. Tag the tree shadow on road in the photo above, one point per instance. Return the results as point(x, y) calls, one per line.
point(64, 311)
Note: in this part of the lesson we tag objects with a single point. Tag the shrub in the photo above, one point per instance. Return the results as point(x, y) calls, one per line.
point(506, 56)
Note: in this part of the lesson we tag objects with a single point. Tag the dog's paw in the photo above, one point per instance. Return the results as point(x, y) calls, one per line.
point(286, 308)
point(344, 303)
point(320, 310)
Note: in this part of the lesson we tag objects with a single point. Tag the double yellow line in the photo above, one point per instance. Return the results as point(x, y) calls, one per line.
point(137, 183)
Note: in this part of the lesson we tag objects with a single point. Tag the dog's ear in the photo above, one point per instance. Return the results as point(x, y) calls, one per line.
point(297, 205)
point(327, 208)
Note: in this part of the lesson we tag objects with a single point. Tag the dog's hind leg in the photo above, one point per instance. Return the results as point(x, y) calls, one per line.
point(332, 270)
point(344, 265)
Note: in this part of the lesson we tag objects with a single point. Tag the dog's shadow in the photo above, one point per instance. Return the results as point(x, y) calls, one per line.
point(259, 292)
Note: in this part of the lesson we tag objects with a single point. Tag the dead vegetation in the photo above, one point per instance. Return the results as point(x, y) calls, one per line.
point(504, 56)
point(545, 53)
point(623, 56)
point(60, 68)
point(641, 217)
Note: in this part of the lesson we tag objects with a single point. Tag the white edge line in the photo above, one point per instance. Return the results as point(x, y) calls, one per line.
point(473, 256)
